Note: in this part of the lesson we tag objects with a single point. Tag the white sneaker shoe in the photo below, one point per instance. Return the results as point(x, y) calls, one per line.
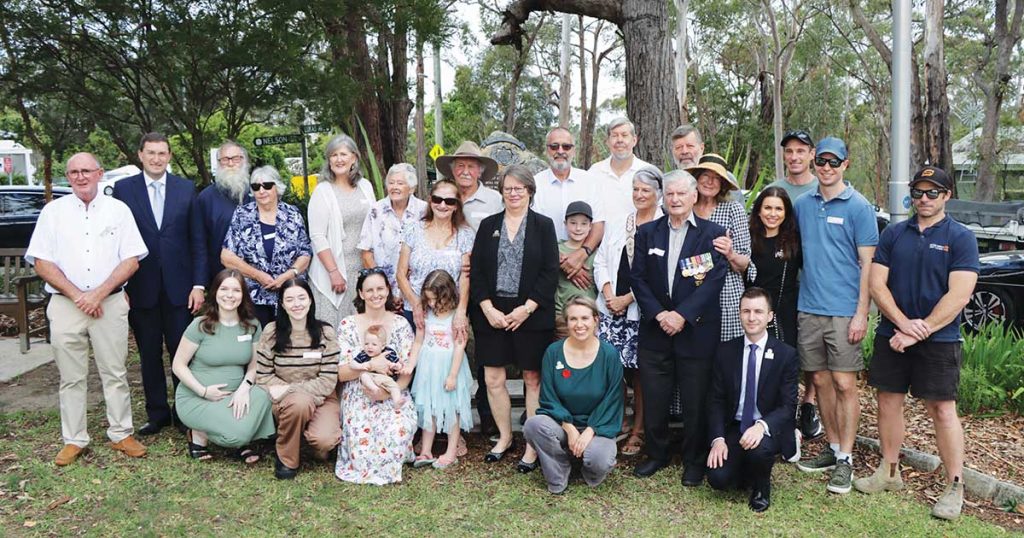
point(799, 439)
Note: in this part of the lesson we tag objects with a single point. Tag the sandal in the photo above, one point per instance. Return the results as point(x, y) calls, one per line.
point(423, 461)
point(462, 450)
point(633, 445)
point(244, 454)
point(442, 466)
point(197, 452)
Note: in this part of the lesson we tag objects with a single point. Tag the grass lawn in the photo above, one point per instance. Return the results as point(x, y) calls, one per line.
point(166, 494)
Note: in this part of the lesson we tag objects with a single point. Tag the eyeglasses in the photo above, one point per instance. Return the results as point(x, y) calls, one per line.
point(931, 193)
point(266, 185)
point(565, 147)
point(230, 160)
point(513, 190)
point(372, 271)
point(452, 202)
point(75, 174)
point(834, 162)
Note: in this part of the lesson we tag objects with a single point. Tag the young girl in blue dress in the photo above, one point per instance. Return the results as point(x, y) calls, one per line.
point(442, 383)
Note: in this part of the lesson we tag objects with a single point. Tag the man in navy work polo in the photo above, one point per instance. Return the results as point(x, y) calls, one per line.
point(923, 274)
point(838, 235)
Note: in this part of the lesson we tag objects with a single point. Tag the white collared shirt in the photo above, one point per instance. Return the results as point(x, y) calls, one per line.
point(484, 203)
point(757, 377)
point(618, 198)
point(676, 237)
point(86, 243)
point(554, 196)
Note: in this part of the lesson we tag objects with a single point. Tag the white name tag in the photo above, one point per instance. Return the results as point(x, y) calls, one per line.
point(656, 252)
point(835, 220)
point(245, 338)
point(312, 355)
point(270, 236)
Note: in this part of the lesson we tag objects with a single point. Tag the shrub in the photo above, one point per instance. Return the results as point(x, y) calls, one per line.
point(992, 375)
point(867, 345)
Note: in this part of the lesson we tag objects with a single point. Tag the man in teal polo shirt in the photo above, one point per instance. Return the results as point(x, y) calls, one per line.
point(838, 235)
point(923, 274)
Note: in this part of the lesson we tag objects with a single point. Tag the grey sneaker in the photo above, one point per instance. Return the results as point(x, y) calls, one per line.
point(880, 481)
point(824, 461)
point(951, 503)
point(842, 477)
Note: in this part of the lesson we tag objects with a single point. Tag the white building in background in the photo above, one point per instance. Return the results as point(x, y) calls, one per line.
point(20, 159)
point(1009, 167)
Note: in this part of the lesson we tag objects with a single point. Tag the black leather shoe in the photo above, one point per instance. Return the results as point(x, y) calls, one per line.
point(282, 471)
point(648, 467)
point(693, 476)
point(760, 499)
point(525, 468)
point(152, 428)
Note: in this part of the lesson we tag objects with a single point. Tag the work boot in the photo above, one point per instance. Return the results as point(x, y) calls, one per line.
point(886, 478)
point(952, 501)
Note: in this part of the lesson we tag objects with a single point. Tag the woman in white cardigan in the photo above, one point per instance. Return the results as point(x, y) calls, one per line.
point(619, 314)
point(337, 209)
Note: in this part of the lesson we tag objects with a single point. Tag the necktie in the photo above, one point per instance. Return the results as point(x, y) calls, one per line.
point(750, 391)
point(158, 202)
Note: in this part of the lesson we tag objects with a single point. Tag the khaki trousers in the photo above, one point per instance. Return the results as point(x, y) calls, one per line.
point(297, 417)
point(71, 333)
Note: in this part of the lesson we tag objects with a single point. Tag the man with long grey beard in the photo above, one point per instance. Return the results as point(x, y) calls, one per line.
point(217, 202)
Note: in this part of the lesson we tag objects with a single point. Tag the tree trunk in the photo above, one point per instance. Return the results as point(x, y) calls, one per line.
point(938, 144)
point(421, 125)
point(565, 79)
point(682, 57)
point(705, 119)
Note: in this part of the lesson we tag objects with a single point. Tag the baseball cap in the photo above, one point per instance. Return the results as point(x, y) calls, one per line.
point(579, 208)
point(934, 175)
point(832, 145)
point(797, 134)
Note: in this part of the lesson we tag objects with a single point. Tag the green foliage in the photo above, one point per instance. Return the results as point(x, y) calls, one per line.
point(370, 165)
point(867, 345)
point(763, 178)
point(992, 375)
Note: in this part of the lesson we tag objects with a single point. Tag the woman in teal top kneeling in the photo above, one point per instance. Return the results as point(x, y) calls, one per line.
point(215, 362)
point(580, 402)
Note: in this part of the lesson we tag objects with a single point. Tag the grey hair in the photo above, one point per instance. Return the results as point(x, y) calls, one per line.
point(650, 176)
point(342, 140)
point(522, 174)
point(404, 168)
point(685, 130)
point(268, 173)
point(677, 176)
point(619, 122)
point(245, 154)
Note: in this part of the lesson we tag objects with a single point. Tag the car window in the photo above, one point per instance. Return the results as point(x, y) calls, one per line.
point(15, 204)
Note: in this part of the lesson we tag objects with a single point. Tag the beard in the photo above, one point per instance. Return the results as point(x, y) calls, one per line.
point(233, 183)
point(559, 166)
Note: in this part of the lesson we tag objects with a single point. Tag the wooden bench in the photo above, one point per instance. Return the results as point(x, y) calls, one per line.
point(21, 291)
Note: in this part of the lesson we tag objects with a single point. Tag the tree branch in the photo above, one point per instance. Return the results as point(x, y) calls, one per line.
point(515, 15)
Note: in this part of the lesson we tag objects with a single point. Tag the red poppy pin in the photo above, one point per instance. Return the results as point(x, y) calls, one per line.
point(566, 374)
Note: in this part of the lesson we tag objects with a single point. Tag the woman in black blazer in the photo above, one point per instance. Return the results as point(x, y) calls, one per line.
point(514, 272)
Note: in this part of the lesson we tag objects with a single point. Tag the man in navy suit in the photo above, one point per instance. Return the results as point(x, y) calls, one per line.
point(218, 201)
point(677, 276)
point(752, 404)
point(169, 285)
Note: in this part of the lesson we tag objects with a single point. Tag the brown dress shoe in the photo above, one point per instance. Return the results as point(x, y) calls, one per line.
point(68, 454)
point(130, 447)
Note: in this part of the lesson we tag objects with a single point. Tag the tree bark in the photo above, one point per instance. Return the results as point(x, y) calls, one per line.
point(682, 58)
point(421, 125)
point(565, 79)
point(586, 128)
point(938, 143)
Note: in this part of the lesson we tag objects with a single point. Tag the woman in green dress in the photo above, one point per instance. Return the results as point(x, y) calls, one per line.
point(215, 362)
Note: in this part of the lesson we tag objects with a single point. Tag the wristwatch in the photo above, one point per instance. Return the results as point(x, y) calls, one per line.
point(588, 250)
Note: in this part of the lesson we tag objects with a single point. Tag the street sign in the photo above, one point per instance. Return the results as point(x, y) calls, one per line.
point(279, 139)
point(436, 151)
point(315, 128)
point(8, 165)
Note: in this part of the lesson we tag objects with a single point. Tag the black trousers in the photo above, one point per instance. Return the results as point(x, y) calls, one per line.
point(265, 313)
point(744, 467)
point(155, 328)
point(660, 373)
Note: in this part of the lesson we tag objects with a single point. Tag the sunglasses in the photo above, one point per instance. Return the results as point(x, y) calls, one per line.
point(372, 271)
point(266, 185)
point(565, 147)
point(932, 194)
point(452, 202)
point(834, 162)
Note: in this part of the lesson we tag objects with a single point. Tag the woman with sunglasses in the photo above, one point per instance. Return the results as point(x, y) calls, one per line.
point(337, 209)
point(775, 250)
point(440, 240)
point(266, 242)
point(514, 275)
point(376, 436)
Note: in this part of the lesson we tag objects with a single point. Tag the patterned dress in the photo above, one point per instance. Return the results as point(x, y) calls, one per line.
point(376, 438)
point(436, 407)
point(423, 258)
point(382, 234)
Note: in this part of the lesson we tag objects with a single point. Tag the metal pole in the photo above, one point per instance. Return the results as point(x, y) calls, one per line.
point(438, 113)
point(899, 172)
point(305, 171)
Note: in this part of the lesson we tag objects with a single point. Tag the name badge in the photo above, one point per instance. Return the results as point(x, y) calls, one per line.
point(312, 355)
point(769, 355)
point(835, 220)
point(270, 236)
point(245, 338)
point(656, 252)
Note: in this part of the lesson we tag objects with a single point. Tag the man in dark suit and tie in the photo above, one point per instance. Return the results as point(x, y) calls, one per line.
point(677, 276)
point(169, 285)
point(752, 404)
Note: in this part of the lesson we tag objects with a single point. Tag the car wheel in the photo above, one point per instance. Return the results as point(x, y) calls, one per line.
point(988, 306)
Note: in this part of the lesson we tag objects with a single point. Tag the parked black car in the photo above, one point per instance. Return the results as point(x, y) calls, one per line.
point(19, 210)
point(999, 295)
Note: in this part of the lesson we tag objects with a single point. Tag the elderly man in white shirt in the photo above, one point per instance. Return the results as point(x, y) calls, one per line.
point(86, 247)
point(618, 170)
point(562, 184)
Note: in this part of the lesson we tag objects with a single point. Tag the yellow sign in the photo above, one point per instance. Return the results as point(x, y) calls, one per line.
point(299, 188)
point(436, 151)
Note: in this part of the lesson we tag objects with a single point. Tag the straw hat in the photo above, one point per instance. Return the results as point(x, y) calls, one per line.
point(467, 149)
point(715, 163)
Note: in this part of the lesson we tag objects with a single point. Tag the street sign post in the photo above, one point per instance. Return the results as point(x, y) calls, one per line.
point(315, 128)
point(295, 139)
point(278, 140)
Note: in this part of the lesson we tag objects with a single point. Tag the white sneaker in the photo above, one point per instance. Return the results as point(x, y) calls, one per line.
point(799, 439)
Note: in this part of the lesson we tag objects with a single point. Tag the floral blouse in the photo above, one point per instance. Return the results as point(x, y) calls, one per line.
point(423, 258)
point(382, 234)
point(245, 239)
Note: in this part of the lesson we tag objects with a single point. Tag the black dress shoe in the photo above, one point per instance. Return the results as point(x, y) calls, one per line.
point(693, 475)
point(282, 471)
point(525, 468)
point(760, 499)
point(648, 467)
point(152, 428)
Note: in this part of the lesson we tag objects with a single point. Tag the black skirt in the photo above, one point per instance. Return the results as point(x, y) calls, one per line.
point(498, 347)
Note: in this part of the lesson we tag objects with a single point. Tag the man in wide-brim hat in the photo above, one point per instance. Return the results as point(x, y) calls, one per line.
point(470, 169)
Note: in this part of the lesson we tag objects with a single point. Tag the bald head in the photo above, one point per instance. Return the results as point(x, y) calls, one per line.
point(84, 172)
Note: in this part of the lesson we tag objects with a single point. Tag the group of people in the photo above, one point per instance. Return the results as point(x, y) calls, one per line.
point(359, 329)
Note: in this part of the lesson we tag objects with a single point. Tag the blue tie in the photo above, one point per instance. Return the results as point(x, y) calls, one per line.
point(750, 391)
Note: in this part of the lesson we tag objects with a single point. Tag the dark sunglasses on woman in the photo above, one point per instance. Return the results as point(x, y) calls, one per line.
point(266, 185)
point(446, 201)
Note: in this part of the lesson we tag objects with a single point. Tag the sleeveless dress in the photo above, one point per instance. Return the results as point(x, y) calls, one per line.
point(433, 403)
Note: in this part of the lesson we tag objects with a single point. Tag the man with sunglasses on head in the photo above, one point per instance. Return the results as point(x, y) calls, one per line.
point(170, 285)
point(838, 236)
point(217, 202)
point(562, 184)
point(923, 274)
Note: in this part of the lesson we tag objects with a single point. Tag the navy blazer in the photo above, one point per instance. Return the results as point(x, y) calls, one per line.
point(539, 276)
point(776, 390)
point(177, 258)
point(698, 304)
